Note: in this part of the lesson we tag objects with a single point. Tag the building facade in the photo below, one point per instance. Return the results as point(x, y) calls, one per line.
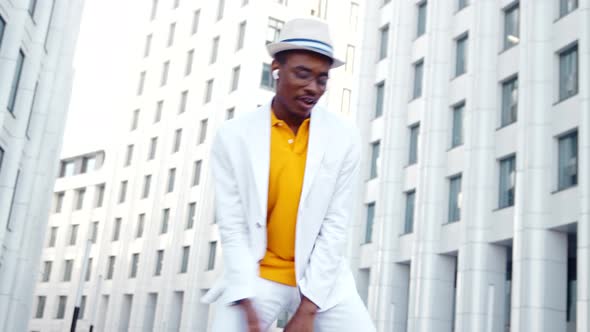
point(474, 213)
point(157, 249)
point(37, 41)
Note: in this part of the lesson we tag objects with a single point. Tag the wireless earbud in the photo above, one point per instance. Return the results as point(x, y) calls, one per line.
point(275, 74)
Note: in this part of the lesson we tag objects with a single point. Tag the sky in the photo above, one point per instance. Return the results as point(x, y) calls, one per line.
point(103, 78)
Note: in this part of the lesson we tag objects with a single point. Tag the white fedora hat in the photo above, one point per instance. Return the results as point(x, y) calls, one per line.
point(305, 34)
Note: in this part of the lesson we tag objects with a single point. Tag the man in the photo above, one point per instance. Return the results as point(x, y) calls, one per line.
point(284, 178)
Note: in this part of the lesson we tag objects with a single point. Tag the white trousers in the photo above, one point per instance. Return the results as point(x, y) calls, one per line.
point(273, 298)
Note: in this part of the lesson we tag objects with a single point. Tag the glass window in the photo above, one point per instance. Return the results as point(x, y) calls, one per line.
point(134, 120)
point(177, 140)
point(52, 237)
point(1, 157)
point(117, 230)
point(18, 71)
point(82, 307)
point(348, 66)
point(88, 270)
point(153, 148)
point(461, 56)
point(567, 6)
point(165, 70)
point(123, 192)
point(110, 268)
point(208, 90)
point(190, 218)
point(414, 141)
point(129, 155)
point(418, 75)
point(380, 99)
point(41, 300)
point(171, 32)
point(99, 196)
point(214, 50)
point(203, 131)
point(509, 101)
point(171, 179)
point(375, 147)
point(73, 234)
point(511, 26)
point(455, 196)
point(68, 266)
point(409, 220)
point(188, 69)
point(185, 257)
point(2, 28)
point(507, 182)
point(158, 112)
point(159, 262)
point(384, 42)
point(147, 182)
point(568, 73)
point(212, 249)
point(88, 164)
point(235, 79)
point(230, 113)
point(457, 138)
point(241, 36)
point(354, 15)
point(176, 4)
point(267, 81)
point(47, 267)
point(134, 265)
point(154, 9)
point(80, 193)
point(370, 221)
point(140, 225)
point(462, 4)
point(196, 18)
point(61, 307)
point(273, 30)
point(165, 221)
point(220, 9)
point(421, 28)
point(141, 84)
point(58, 201)
point(94, 232)
point(197, 173)
point(568, 161)
point(148, 45)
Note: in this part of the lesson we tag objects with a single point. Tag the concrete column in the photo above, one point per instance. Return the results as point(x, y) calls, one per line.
point(583, 305)
point(540, 255)
point(432, 275)
point(481, 266)
point(390, 280)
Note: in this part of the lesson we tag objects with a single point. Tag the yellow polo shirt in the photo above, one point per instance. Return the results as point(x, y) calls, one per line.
point(288, 153)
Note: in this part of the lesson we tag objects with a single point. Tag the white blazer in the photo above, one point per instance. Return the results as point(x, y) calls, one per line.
point(240, 164)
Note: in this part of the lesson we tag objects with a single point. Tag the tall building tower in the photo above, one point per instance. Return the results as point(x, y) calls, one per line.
point(476, 122)
point(157, 248)
point(37, 41)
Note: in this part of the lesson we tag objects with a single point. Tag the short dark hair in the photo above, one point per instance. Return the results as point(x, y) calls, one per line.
point(281, 57)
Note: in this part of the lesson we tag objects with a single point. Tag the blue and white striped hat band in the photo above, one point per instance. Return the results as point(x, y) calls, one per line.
point(306, 34)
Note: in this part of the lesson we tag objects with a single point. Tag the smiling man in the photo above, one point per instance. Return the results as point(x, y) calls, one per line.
point(284, 177)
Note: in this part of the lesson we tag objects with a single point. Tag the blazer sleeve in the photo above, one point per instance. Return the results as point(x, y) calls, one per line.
point(327, 254)
point(239, 266)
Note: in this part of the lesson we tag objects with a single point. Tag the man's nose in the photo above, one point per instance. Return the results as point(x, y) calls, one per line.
point(313, 88)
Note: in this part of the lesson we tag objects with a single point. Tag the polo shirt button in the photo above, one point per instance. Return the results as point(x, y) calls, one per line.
point(290, 141)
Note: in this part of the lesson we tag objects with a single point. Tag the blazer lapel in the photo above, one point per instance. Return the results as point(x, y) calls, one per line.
point(259, 137)
point(315, 151)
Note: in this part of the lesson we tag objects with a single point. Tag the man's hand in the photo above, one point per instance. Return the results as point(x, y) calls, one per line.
point(251, 316)
point(304, 317)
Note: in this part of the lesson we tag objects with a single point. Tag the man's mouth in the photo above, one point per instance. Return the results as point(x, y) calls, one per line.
point(308, 102)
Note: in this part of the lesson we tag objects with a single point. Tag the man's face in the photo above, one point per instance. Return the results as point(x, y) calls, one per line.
point(302, 81)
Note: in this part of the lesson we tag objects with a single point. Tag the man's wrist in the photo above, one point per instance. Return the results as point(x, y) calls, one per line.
point(307, 306)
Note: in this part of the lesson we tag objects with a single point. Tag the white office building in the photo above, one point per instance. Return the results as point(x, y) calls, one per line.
point(37, 41)
point(155, 245)
point(475, 117)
